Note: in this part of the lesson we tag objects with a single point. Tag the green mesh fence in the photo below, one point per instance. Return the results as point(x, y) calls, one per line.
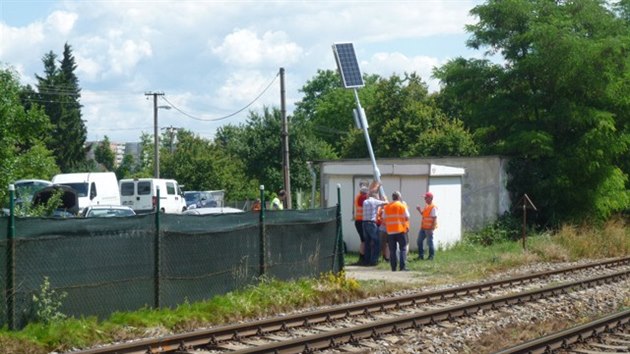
point(300, 243)
point(109, 264)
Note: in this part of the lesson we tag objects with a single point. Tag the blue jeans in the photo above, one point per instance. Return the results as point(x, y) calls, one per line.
point(372, 242)
point(399, 240)
point(426, 235)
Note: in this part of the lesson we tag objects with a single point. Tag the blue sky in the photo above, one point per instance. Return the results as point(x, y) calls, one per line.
point(212, 58)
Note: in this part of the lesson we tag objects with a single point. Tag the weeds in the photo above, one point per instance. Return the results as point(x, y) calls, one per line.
point(47, 304)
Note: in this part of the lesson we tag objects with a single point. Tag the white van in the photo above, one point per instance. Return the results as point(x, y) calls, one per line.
point(141, 195)
point(93, 188)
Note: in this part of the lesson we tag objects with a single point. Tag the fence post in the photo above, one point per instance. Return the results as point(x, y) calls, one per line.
point(156, 253)
point(10, 275)
point(339, 248)
point(263, 249)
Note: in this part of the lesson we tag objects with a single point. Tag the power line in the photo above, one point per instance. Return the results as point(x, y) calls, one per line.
point(227, 116)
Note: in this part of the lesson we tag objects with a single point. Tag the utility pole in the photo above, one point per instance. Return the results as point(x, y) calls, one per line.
point(171, 131)
point(285, 143)
point(156, 137)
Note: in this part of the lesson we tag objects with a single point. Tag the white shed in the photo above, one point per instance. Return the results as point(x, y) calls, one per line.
point(412, 180)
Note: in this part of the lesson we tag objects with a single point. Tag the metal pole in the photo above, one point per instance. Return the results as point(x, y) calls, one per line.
point(285, 144)
point(9, 291)
point(364, 125)
point(524, 221)
point(156, 253)
point(339, 248)
point(261, 235)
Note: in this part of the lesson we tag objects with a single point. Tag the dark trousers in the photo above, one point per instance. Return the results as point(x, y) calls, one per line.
point(372, 242)
point(397, 241)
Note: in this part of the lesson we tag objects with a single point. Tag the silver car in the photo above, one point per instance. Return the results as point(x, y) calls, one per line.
point(107, 211)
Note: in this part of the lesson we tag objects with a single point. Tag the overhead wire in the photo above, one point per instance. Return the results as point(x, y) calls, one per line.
point(226, 116)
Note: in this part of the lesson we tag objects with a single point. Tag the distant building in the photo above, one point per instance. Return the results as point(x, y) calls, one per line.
point(119, 150)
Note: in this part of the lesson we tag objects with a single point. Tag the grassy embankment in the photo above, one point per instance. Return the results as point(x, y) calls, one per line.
point(463, 262)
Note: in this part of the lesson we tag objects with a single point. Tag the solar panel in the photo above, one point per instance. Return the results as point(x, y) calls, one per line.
point(348, 65)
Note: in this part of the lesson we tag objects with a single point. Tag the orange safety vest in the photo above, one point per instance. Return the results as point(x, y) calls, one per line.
point(427, 219)
point(379, 215)
point(395, 218)
point(358, 206)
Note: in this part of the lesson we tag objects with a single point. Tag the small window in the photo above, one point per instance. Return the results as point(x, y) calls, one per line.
point(170, 188)
point(93, 192)
point(144, 188)
point(126, 188)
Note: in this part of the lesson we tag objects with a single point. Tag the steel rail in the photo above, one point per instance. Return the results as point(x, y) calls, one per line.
point(229, 332)
point(417, 320)
point(565, 339)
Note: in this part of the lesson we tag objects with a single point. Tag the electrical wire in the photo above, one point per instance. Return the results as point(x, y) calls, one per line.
point(227, 116)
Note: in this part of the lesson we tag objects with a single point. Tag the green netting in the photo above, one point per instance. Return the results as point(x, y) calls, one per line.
point(103, 265)
point(109, 264)
point(300, 243)
point(4, 227)
point(203, 256)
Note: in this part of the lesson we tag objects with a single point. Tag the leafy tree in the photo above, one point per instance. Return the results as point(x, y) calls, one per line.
point(558, 106)
point(127, 167)
point(258, 142)
point(145, 163)
point(104, 155)
point(408, 123)
point(59, 92)
point(327, 107)
point(199, 164)
point(22, 152)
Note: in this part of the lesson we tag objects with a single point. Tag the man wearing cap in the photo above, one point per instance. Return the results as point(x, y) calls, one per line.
point(358, 220)
point(428, 224)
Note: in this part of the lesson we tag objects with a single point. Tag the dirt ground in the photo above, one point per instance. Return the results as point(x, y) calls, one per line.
point(372, 273)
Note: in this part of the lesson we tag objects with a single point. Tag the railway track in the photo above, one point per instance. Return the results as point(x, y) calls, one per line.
point(610, 334)
point(348, 326)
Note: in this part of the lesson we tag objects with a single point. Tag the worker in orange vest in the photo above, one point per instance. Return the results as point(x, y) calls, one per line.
point(358, 220)
point(382, 233)
point(428, 224)
point(396, 218)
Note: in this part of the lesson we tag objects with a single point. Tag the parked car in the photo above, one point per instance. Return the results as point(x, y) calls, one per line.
point(68, 204)
point(107, 211)
point(26, 188)
point(199, 199)
point(213, 211)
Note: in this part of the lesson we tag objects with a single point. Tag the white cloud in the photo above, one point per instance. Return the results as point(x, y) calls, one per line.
point(243, 87)
point(244, 47)
point(387, 64)
point(126, 55)
point(62, 22)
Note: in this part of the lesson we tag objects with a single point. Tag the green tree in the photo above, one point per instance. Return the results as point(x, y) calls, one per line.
point(327, 107)
point(558, 106)
point(59, 91)
point(127, 167)
point(104, 155)
point(199, 164)
point(145, 163)
point(258, 143)
point(408, 123)
point(22, 152)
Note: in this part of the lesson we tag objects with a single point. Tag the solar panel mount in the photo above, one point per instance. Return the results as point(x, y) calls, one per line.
point(348, 65)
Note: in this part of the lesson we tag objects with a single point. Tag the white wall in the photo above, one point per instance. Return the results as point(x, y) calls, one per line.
point(412, 180)
point(447, 193)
